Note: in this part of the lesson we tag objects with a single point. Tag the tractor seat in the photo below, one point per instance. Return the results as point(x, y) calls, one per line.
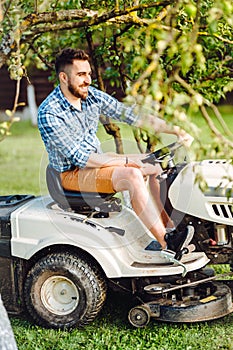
point(82, 202)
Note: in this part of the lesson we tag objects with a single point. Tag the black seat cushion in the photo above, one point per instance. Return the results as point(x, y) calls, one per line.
point(73, 199)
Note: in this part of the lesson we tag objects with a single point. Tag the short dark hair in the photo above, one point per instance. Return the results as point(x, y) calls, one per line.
point(66, 57)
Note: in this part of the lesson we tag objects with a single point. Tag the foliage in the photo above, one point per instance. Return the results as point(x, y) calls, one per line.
point(175, 58)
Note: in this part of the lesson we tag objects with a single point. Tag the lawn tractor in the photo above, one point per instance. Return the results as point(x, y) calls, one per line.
point(62, 253)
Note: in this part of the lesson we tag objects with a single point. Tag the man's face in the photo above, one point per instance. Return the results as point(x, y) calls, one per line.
point(79, 78)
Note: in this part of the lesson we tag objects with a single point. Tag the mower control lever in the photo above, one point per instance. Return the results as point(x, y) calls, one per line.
point(170, 256)
point(175, 257)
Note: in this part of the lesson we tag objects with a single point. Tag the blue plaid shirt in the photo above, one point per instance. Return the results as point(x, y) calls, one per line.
point(69, 134)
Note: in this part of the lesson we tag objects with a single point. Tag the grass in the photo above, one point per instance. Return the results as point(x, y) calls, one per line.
point(111, 331)
point(21, 156)
point(22, 163)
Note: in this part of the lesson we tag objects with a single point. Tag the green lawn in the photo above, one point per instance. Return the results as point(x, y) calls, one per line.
point(21, 159)
point(22, 164)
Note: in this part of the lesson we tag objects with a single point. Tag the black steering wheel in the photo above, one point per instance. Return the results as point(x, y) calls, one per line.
point(159, 155)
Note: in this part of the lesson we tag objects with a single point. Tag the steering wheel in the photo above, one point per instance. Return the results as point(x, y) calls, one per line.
point(159, 155)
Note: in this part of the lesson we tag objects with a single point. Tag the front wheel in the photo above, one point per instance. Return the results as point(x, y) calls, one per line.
point(62, 291)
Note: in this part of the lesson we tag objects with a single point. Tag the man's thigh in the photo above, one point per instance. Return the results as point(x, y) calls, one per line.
point(88, 180)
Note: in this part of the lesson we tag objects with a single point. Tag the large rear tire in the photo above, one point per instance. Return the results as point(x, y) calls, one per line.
point(63, 290)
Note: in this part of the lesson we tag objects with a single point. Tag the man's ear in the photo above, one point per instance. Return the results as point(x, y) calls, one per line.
point(63, 77)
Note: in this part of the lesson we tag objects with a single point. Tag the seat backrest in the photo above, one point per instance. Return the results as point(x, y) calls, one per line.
point(55, 188)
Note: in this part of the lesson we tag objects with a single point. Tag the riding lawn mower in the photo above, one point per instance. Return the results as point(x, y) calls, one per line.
point(61, 254)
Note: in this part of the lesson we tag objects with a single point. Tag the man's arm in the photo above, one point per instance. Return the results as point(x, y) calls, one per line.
point(159, 126)
point(112, 108)
point(123, 160)
point(98, 160)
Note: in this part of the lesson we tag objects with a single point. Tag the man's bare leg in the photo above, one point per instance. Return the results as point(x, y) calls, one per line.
point(155, 193)
point(131, 179)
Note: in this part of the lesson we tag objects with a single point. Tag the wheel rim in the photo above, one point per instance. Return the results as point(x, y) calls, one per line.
point(139, 316)
point(59, 295)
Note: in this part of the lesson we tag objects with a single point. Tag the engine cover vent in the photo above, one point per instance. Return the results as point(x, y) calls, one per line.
point(223, 210)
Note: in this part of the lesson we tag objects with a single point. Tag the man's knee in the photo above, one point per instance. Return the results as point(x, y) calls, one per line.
point(127, 178)
point(133, 174)
point(133, 177)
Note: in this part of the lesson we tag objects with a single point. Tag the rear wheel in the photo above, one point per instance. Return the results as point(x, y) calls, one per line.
point(63, 291)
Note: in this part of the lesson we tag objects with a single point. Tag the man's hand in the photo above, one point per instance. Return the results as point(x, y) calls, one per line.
point(135, 161)
point(149, 169)
point(184, 138)
point(160, 126)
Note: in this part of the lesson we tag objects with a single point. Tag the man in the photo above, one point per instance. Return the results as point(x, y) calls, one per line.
point(68, 121)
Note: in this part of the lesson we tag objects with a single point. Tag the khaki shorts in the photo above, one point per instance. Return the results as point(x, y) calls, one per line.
point(88, 180)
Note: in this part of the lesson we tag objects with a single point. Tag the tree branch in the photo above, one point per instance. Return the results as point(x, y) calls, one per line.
point(224, 40)
point(192, 92)
point(213, 127)
point(34, 23)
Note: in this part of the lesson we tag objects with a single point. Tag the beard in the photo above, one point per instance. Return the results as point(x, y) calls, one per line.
point(75, 91)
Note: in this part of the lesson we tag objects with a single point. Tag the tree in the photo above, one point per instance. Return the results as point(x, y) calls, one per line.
point(176, 58)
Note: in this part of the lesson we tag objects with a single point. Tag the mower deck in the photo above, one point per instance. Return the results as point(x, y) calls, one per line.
point(203, 302)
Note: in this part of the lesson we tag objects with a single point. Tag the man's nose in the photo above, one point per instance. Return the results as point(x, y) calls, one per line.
point(87, 79)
